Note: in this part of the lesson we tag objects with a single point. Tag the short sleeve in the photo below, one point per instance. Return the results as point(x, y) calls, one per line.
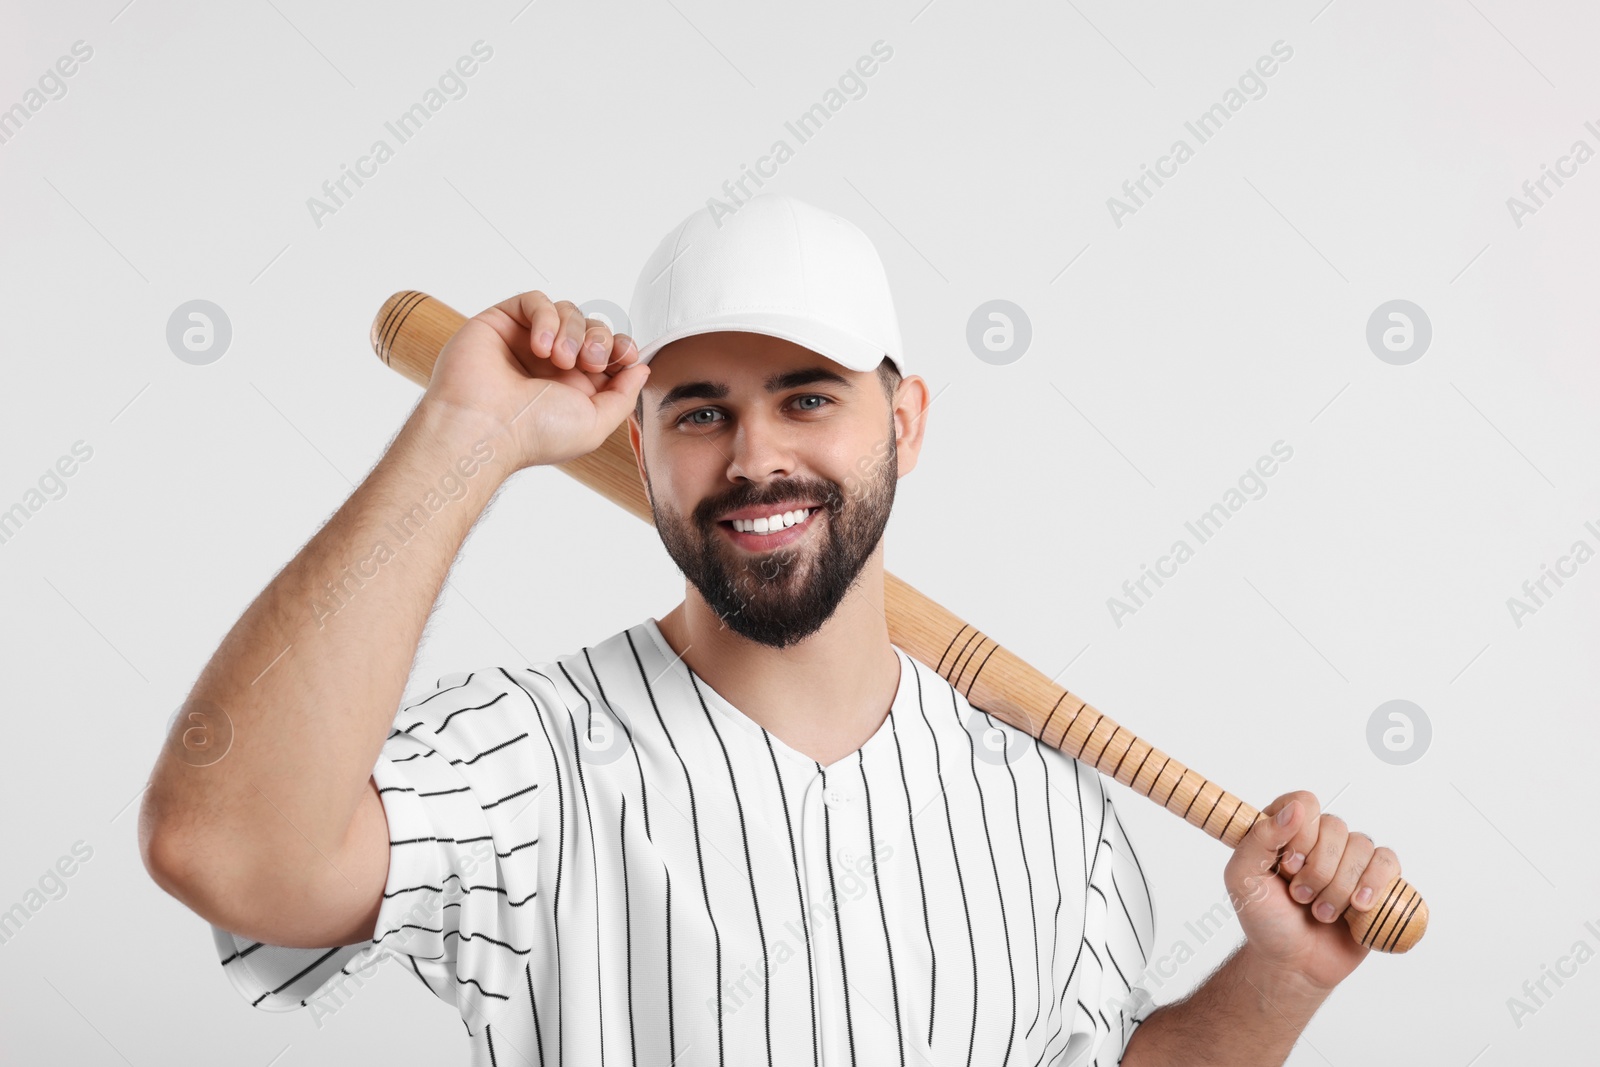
point(460, 783)
point(1119, 937)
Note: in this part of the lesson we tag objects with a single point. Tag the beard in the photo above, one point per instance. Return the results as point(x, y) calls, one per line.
point(784, 595)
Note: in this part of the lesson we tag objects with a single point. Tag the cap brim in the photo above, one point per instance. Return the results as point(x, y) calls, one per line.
point(844, 348)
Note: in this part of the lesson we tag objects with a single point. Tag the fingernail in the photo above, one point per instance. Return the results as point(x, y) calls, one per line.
point(569, 346)
point(597, 352)
point(1292, 864)
point(545, 339)
point(1286, 814)
point(1325, 911)
point(1364, 895)
point(1303, 893)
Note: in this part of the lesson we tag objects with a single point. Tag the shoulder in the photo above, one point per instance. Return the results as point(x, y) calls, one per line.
point(467, 704)
point(469, 710)
point(993, 740)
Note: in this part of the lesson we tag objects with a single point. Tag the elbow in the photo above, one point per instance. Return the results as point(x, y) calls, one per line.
point(165, 857)
point(226, 878)
point(176, 858)
point(196, 873)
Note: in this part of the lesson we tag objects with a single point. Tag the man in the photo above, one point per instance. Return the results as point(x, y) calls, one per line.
point(752, 831)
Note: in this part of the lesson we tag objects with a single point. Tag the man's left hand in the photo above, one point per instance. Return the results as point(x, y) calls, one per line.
point(1334, 868)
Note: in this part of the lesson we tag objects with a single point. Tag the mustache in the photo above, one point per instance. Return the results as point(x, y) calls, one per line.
point(826, 494)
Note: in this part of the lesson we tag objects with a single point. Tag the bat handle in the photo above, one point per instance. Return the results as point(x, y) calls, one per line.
point(1394, 924)
point(1396, 921)
point(1004, 685)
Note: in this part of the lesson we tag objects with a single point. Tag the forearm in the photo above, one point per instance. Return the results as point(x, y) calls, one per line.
point(310, 676)
point(1243, 1015)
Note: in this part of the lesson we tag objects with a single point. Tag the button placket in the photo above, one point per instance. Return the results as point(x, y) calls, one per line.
point(813, 844)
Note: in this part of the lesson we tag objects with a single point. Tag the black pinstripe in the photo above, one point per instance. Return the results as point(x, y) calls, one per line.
point(480, 899)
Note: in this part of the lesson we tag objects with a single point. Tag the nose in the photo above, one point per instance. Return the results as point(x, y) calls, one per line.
point(760, 449)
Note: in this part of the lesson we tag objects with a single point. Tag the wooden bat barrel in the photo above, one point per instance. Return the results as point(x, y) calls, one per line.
point(412, 327)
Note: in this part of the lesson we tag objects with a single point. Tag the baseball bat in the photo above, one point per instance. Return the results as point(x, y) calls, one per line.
point(412, 327)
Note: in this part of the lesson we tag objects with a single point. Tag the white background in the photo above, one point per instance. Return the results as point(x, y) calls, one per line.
point(1227, 313)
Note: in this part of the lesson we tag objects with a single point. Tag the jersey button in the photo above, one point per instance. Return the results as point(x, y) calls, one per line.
point(836, 798)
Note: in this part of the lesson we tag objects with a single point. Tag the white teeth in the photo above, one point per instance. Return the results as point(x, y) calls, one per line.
point(771, 523)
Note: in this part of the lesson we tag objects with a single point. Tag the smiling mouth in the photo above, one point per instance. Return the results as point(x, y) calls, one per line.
point(745, 534)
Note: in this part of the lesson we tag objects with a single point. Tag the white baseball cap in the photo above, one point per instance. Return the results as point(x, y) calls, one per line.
point(775, 266)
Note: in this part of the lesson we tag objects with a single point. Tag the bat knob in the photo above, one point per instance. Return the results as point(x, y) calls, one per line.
point(410, 329)
point(1397, 922)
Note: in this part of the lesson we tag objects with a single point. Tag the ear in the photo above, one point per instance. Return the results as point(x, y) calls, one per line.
point(636, 441)
point(910, 419)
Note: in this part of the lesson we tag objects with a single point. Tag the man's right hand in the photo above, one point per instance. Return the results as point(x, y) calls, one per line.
point(511, 366)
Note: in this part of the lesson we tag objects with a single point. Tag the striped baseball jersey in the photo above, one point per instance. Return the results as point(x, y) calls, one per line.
point(599, 859)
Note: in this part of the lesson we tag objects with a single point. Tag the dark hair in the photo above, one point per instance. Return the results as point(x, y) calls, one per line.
point(888, 377)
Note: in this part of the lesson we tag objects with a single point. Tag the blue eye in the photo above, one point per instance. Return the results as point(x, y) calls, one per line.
point(688, 416)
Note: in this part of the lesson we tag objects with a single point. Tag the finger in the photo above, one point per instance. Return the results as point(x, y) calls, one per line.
point(614, 400)
point(517, 318)
point(1382, 869)
point(544, 321)
point(1291, 808)
point(518, 321)
point(1294, 854)
point(596, 345)
point(570, 336)
point(624, 352)
point(1335, 896)
point(1322, 861)
point(1263, 847)
point(1252, 870)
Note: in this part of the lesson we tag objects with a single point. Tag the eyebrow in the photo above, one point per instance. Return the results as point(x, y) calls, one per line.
point(776, 383)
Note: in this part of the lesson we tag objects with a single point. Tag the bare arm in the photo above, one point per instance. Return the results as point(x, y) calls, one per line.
point(283, 839)
point(1243, 1015)
point(308, 681)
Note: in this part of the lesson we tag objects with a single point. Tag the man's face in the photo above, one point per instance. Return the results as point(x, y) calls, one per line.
point(738, 423)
